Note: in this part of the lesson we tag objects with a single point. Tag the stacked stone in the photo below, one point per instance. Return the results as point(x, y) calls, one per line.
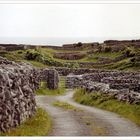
point(73, 81)
point(69, 56)
point(123, 83)
point(118, 80)
point(127, 96)
point(53, 79)
point(5, 61)
point(95, 86)
point(122, 94)
point(99, 76)
point(44, 74)
point(77, 71)
point(17, 98)
point(127, 90)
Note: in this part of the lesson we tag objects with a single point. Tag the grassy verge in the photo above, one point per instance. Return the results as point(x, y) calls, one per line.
point(65, 105)
point(43, 90)
point(36, 64)
point(47, 91)
point(102, 101)
point(39, 125)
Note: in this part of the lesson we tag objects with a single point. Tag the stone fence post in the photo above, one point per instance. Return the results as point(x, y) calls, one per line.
point(53, 79)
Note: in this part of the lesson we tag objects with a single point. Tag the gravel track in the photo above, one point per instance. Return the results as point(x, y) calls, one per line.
point(90, 121)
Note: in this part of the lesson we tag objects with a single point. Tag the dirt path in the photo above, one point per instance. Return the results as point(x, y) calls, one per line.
point(89, 122)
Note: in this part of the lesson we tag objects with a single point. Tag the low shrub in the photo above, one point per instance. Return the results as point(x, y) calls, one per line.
point(108, 49)
point(45, 59)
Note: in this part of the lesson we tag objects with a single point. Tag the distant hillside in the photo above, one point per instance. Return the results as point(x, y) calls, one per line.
point(111, 54)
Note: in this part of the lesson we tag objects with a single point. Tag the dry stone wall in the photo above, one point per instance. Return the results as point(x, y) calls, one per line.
point(124, 94)
point(124, 86)
point(69, 56)
point(117, 80)
point(117, 42)
point(76, 71)
point(17, 100)
point(116, 45)
point(51, 77)
point(18, 82)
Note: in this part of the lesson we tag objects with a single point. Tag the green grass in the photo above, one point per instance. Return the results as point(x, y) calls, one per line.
point(92, 57)
point(108, 54)
point(103, 101)
point(38, 125)
point(125, 65)
point(53, 50)
point(18, 56)
point(36, 64)
point(65, 105)
point(47, 91)
point(43, 90)
point(15, 55)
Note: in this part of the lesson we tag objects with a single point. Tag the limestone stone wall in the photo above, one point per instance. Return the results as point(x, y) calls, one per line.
point(69, 55)
point(17, 99)
point(51, 77)
point(74, 81)
point(123, 86)
point(94, 72)
point(116, 80)
point(124, 94)
point(117, 42)
point(18, 82)
point(76, 71)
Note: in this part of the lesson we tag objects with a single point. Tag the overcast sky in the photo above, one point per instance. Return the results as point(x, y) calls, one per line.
point(64, 23)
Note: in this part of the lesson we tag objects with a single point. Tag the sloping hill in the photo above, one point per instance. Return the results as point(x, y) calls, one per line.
point(121, 55)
